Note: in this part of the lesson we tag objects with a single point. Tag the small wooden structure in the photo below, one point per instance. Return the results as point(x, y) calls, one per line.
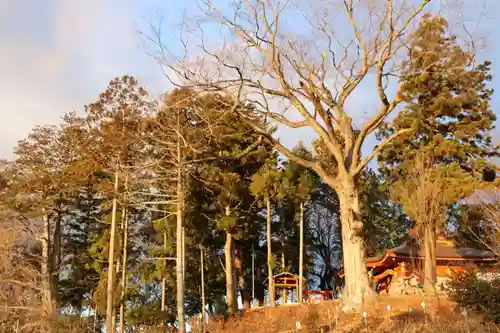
point(287, 281)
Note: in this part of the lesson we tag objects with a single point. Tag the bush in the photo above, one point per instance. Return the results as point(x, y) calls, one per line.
point(477, 294)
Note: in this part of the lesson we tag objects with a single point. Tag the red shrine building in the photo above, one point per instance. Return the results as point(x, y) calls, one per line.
point(407, 260)
point(405, 263)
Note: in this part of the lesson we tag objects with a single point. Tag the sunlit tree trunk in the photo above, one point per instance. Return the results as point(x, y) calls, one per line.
point(110, 310)
point(229, 258)
point(180, 251)
point(283, 261)
point(357, 286)
point(430, 277)
point(48, 301)
point(269, 254)
point(164, 276)
point(124, 271)
point(203, 301)
point(230, 287)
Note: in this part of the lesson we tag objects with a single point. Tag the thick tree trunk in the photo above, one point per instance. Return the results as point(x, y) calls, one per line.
point(110, 310)
point(430, 258)
point(270, 279)
point(357, 286)
point(230, 286)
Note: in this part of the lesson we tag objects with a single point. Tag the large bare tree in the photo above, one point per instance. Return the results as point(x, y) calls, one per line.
point(301, 64)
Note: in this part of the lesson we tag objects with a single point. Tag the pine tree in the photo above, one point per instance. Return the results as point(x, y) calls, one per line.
point(267, 186)
point(447, 105)
point(448, 109)
point(112, 141)
point(299, 184)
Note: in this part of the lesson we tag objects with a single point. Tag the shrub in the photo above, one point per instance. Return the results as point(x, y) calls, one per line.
point(477, 294)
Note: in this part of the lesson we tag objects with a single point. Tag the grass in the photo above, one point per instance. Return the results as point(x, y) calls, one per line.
point(406, 315)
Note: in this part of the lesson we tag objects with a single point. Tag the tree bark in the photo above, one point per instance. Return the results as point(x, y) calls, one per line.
point(48, 302)
point(203, 302)
point(164, 276)
point(180, 253)
point(55, 258)
point(124, 271)
point(245, 295)
point(260, 293)
point(357, 286)
point(284, 295)
point(110, 313)
point(230, 286)
point(269, 254)
point(430, 277)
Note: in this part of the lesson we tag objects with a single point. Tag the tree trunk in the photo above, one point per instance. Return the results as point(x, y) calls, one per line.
point(240, 271)
point(357, 286)
point(56, 256)
point(124, 271)
point(203, 303)
point(284, 295)
point(110, 313)
point(430, 258)
point(260, 293)
point(164, 276)
point(270, 279)
point(48, 302)
point(230, 286)
point(180, 253)
point(301, 254)
point(184, 254)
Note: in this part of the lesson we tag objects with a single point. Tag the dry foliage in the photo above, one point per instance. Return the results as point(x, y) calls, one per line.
point(439, 316)
point(490, 209)
point(428, 189)
point(20, 281)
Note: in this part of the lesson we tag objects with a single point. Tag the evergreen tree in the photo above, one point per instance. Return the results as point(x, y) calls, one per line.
point(266, 186)
point(448, 105)
point(448, 109)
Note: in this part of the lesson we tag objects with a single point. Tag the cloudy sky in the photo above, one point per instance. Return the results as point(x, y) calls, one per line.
point(57, 55)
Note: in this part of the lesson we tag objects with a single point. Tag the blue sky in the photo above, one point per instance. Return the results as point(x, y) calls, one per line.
point(58, 55)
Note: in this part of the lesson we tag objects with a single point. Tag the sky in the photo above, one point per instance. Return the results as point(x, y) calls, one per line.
point(58, 55)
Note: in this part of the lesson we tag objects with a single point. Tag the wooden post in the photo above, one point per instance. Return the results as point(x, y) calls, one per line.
point(203, 305)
